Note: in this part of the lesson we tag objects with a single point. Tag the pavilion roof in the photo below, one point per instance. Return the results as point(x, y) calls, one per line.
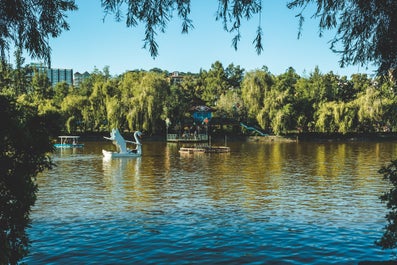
point(202, 108)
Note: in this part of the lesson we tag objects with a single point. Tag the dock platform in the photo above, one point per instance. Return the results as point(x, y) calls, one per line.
point(204, 149)
point(176, 138)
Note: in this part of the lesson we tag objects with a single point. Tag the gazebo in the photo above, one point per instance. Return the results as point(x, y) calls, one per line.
point(202, 114)
point(196, 130)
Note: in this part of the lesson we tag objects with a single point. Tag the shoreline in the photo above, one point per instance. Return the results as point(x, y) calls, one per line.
point(296, 137)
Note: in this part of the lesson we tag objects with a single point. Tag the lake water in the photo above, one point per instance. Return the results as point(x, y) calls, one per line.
point(263, 203)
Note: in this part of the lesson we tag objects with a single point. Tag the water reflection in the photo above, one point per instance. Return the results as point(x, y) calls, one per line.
point(291, 203)
point(115, 170)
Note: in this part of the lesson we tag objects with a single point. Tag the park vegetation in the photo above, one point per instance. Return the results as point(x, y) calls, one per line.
point(277, 104)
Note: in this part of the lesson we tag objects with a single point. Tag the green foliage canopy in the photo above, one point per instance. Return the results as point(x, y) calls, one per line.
point(27, 25)
point(366, 30)
point(155, 16)
point(389, 238)
point(23, 153)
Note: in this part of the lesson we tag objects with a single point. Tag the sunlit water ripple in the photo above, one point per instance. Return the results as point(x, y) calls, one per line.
point(299, 203)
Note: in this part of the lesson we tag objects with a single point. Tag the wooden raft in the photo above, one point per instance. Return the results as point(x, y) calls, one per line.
point(204, 149)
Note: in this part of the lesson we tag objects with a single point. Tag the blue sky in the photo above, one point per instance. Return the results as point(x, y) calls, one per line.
point(91, 43)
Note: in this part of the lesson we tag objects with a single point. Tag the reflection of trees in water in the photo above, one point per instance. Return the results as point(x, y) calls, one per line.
point(334, 181)
point(122, 179)
point(273, 178)
point(291, 175)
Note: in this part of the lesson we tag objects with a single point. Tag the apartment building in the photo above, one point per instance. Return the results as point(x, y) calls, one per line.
point(55, 75)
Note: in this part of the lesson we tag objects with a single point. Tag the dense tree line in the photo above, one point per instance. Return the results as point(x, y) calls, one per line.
point(279, 104)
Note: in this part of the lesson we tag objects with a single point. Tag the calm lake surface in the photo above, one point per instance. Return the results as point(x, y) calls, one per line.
point(263, 203)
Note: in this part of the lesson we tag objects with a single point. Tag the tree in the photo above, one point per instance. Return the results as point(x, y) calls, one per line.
point(365, 29)
point(28, 25)
point(6, 80)
point(214, 83)
point(20, 82)
point(277, 113)
point(145, 106)
point(23, 154)
point(156, 14)
point(179, 100)
point(371, 109)
point(319, 87)
point(61, 90)
point(304, 105)
point(389, 238)
point(235, 75)
point(230, 105)
point(254, 88)
point(283, 107)
point(72, 107)
point(41, 87)
point(114, 103)
point(98, 87)
point(333, 116)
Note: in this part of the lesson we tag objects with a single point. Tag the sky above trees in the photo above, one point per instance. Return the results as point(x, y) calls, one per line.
point(93, 43)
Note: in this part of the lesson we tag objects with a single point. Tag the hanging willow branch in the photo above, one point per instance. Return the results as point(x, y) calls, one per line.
point(366, 30)
point(28, 25)
point(155, 15)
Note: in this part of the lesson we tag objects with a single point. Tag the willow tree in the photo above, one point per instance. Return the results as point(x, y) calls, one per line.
point(254, 89)
point(72, 107)
point(231, 105)
point(115, 113)
point(365, 29)
point(304, 105)
point(28, 26)
point(324, 117)
point(345, 115)
point(98, 87)
point(181, 98)
point(277, 113)
point(155, 15)
point(283, 110)
point(112, 106)
point(145, 107)
point(371, 109)
point(130, 88)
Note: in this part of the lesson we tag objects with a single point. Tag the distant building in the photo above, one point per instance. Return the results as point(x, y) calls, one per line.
point(60, 75)
point(175, 78)
point(78, 78)
point(55, 75)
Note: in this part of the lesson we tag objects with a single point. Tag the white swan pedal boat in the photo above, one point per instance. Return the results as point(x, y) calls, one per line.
point(110, 154)
point(121, 145)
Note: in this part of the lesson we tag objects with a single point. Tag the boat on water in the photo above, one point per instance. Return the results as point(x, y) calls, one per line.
point(121, 144)
point(69, 141)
